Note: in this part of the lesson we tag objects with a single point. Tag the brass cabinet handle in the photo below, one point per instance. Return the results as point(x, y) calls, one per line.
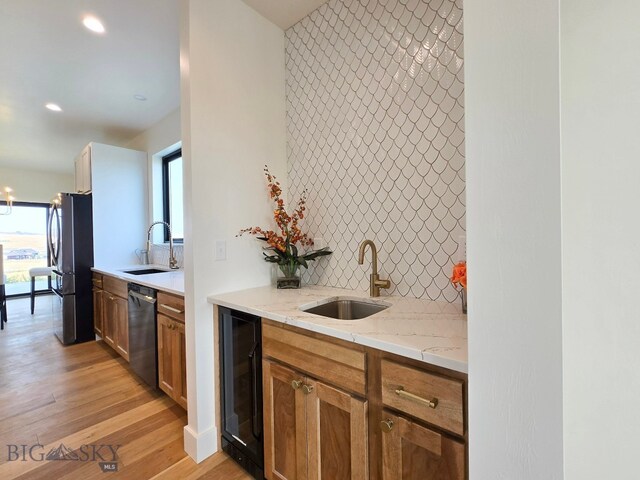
point(386, 425)
point(296, 384)
point(170, 308)
point(431, 403)
point(307, 389)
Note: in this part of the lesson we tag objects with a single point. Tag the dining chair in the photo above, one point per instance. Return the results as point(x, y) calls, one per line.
point(3, 292)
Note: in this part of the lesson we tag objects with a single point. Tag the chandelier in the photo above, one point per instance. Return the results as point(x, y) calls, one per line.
point(8, 200)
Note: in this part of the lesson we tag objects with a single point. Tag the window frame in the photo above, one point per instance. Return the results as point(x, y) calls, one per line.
point(47, 208)
point(166, 208)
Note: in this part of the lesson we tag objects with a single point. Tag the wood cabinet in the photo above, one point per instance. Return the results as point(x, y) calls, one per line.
point(111, 312)
point(109, 319)
point(83, 171)
point(122, 326)
point(336, 434)
point(411, 451)
point(172, 357)
point(314, 412)
point(335, 410)
point(172, 375)
point(285, 434)
point(433, 398)
point(98, 312)
point(312, 430)
point(115, 323)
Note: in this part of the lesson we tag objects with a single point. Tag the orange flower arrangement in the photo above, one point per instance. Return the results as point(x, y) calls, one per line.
point(459, 275)
point(284, 243)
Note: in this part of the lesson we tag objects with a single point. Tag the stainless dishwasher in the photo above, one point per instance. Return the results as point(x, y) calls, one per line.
point(143, 345)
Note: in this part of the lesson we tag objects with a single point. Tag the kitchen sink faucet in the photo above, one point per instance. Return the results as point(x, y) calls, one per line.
point(173, 263)
point(376, 282)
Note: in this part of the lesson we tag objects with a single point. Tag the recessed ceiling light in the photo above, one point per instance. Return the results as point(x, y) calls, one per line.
point(93, 24)
point(142, 98)
point(53, 107)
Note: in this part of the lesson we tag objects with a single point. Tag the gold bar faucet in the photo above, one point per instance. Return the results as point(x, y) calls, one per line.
point(375, 283)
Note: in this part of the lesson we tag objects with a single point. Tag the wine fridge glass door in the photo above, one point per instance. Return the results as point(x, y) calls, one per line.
point(242, 382)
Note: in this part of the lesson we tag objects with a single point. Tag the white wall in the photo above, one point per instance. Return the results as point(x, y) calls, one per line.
point(159, 140)
point(118, 187)
point(233, 122)
point(601, 250)
point(35, 185)
point(514, 245)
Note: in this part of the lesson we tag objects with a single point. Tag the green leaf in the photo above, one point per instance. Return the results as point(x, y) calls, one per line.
point(271, 258)
point(317, 253)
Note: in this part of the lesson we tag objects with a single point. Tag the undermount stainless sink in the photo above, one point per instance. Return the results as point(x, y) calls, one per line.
point(346, 309)
point(145, 271)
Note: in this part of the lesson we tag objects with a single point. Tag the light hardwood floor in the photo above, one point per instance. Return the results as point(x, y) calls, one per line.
point(86, 395)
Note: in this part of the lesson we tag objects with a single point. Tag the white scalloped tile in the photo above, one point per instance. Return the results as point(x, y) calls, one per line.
point(375, 133)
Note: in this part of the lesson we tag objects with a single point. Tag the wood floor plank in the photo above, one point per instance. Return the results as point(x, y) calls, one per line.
point(87, 395)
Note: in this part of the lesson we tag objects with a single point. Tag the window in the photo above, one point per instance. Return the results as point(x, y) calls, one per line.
point(24, 239)
point(172, 195)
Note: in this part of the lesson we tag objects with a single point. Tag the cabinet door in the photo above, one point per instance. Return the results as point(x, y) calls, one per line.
point(285, 446)
point(97, 311)
point(166, 355)
point(180, 365)
point(79, 176)
point(336, 433)
point(86, 165)
point(413, 452)
point(109, 319)
point(122, 327)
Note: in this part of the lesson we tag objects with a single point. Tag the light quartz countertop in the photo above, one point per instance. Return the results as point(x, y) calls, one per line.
point(434, 332)
point(171, 281)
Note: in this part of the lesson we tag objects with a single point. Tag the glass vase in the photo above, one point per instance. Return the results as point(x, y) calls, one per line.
point(288, 276)
point(463, 298)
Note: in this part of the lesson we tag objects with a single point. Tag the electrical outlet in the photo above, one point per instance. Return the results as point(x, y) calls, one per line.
point(221, 250)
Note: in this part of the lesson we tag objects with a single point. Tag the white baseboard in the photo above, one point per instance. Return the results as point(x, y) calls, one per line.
point(200, 445)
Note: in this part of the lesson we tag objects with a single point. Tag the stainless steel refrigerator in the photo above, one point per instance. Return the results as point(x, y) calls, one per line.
point(70, 240)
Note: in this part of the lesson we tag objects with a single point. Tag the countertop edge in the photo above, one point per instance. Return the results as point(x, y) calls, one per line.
point(389, 347)
point(113, 272)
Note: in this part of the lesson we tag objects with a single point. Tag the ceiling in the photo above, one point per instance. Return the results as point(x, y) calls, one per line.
point(285, 13)
point(47, 55)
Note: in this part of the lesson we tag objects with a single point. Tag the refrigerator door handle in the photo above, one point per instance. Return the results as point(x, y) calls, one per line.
point(253, 356)
point(49, 237)
point(54, 249)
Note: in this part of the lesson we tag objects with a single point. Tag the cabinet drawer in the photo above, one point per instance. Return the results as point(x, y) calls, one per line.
point(115, 286)
point(96, 279)
point(171, 305)
point(341, 366)
point(432, 398)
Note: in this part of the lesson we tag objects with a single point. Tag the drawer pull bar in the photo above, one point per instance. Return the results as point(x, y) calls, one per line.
point(433, 403)
point(170, 308)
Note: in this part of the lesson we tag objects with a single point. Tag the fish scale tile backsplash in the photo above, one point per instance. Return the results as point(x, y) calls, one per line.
point(375, 133)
